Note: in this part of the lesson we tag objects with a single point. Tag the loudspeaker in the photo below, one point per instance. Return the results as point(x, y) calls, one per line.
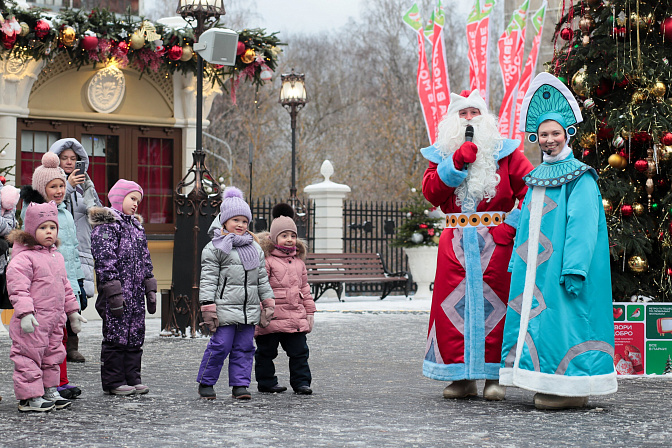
point(218, 46)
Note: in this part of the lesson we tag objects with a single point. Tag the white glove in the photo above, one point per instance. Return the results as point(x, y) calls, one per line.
point(28, 323)
point(76, 321)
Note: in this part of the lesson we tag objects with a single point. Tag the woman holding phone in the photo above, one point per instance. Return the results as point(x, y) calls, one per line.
point(80, 196)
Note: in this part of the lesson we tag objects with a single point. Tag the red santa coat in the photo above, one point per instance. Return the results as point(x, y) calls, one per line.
point(471, 286)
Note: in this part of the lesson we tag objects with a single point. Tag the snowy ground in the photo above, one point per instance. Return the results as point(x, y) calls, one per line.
point(366, 359)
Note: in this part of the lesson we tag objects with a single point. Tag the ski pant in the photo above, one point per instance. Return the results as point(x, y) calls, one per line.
point(295, 345)
point(120, 365)
point(36, 358)
point(236, 340)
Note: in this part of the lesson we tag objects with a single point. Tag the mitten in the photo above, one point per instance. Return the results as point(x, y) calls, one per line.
point(76, 321)
point(28, 323)
point(635, 357)
point(311, 322)
point(116, 303)
point(465, 154)
point(573, 284)
point(83, 300)
point(209, 313)
point(150, 293)
point(623, 365)
point(266, 316)
point(10, 197)
point(503, 234)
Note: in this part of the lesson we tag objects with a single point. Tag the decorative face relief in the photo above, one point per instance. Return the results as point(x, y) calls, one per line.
point(106, 90)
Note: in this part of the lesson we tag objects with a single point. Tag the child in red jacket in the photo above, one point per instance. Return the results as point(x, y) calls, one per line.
point(294, 307)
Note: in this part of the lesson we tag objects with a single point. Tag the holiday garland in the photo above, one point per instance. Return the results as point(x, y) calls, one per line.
point(101, 36)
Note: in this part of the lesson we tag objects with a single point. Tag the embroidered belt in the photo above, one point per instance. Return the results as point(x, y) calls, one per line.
point(479, 219)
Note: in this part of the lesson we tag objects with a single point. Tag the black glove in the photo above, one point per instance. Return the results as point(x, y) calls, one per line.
point(83, 300)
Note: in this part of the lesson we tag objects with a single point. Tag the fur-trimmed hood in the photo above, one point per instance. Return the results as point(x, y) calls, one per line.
point(18, 236)
point(107, 215)
point(267, 245)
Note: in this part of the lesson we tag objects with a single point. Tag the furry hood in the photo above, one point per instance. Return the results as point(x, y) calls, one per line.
point(18, 236)
point(267, 245)
point(29, 194)
point(107, 215)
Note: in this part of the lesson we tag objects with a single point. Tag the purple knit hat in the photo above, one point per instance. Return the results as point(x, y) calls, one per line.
point(45, 173)
point(36, 214)
point(233, 204)
point(120, 190)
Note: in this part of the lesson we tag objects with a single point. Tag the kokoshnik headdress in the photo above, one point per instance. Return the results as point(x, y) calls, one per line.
point(548, 98)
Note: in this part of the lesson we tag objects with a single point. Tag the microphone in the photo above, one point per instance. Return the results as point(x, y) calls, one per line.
point(469, 133)
point(468, 137)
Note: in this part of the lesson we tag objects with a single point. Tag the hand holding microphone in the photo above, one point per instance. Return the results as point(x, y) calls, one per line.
point(467, 152)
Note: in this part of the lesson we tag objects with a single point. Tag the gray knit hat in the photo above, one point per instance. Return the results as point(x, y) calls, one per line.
point(233, 204)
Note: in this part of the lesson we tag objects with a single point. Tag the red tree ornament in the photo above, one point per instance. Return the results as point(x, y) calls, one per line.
point(89, 43)
point(641, 165)
point(669, 271)
point(567, 34)
point(3, 180)
point(641, 137)
point(586, 153)
point(123, 47)
point(175, 53)
point(603, 88)
point(42, 28)
point(666, 28)
point(241, 49)
point(626, 210)
point(667, 139)
point(8, 40)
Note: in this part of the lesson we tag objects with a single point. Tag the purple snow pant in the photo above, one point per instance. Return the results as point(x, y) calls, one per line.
point(120, 365)
point(236, 340)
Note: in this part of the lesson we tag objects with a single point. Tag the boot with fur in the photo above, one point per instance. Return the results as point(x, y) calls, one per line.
point(460, 389)
point(72, 349)
point(493, 391)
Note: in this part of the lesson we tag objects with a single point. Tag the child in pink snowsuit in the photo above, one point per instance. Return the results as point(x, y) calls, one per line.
point(41, 294)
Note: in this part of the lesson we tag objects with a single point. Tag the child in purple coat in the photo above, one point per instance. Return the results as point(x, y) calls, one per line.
point(42, 296)
point(124, 273)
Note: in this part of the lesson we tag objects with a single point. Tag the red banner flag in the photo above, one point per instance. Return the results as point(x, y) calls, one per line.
point(424, 78)
point(441, 81)
point(478, 39)
point(511, 45)
point(528, 71)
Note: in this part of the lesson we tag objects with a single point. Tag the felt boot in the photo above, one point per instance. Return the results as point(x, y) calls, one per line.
point(555, 402)
point(460, 389)
point(71, 349)
point(493, 391)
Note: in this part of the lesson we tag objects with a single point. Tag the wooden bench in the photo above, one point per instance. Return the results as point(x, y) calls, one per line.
point(332, 271)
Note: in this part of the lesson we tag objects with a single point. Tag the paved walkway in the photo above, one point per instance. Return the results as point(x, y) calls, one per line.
point(366, 358)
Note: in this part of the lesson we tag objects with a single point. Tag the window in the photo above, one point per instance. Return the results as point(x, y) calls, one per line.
point(151, 156)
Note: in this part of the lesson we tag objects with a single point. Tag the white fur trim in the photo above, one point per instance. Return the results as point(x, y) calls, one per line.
point(562, 155)
point(458, 102)
point(562, 385)
point(536, 209)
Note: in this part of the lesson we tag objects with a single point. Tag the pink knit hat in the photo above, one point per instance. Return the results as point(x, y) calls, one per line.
point(120, 190)
point(283, 220)
point(36, 214)
point(48, 171)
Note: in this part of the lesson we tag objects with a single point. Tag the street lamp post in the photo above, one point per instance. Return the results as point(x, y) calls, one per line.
point(195, 210)
point(293, 98)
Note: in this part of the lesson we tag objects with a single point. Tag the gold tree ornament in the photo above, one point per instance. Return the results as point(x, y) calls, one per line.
point(586, 25)
point(659, 89)
point(638, 97)
point(665, 153)
point(617, 161)
point(588, 140)
point(137, 41)
point(187, 54)
point(638, 209)
point(25, 29)
point(608, 207)
point(638, 264)
point(579, 82)
point(68, 35)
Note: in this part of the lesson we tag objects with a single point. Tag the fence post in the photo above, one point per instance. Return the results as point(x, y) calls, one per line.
point(328, 198)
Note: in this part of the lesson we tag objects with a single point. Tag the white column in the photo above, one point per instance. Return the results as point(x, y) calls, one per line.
point(328, 197)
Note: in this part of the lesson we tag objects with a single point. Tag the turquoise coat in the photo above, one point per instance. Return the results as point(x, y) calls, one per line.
point(554, 342)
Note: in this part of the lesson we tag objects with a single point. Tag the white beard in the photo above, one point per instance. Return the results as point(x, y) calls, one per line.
point(482, 178)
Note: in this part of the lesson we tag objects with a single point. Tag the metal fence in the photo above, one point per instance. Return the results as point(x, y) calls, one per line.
point(305, 220)
point(370, 227)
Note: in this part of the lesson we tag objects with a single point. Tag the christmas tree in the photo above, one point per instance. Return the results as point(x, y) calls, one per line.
point(615, 56)
point(422, 227)
point(668, 365)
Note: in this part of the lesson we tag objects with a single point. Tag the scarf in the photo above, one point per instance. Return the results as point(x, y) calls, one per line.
point(243, 243)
